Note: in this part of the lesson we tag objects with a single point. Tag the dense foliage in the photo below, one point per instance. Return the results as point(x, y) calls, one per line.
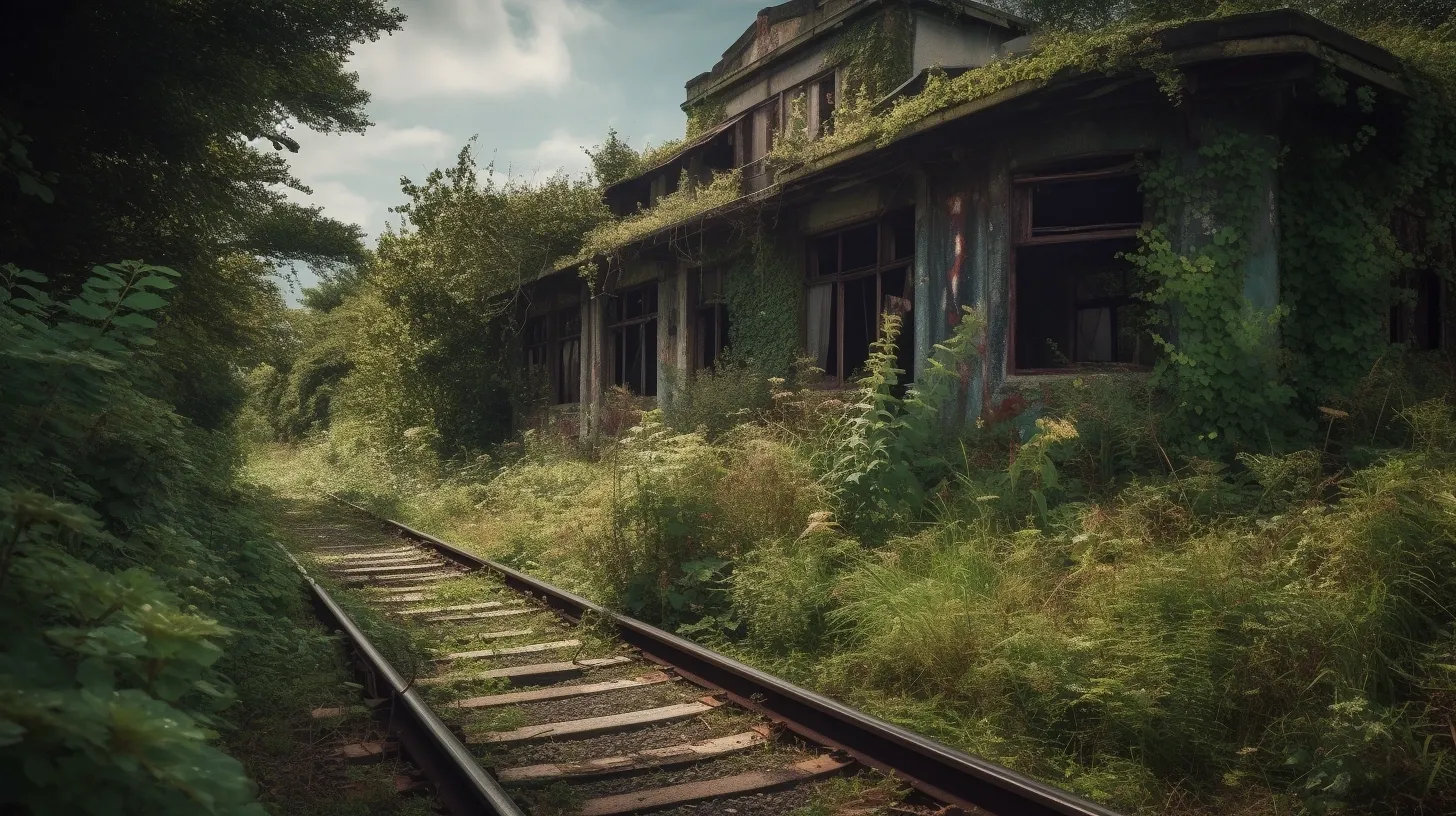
point(139, 595)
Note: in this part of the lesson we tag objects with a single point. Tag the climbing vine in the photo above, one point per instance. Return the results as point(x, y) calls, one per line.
point(765, 298)
point(874, 54)
point(1220, 358)
point(1339, 258)
point(704, 114)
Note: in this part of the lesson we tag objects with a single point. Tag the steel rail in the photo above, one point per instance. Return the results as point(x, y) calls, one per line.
point(461, 784)
point(945, 774)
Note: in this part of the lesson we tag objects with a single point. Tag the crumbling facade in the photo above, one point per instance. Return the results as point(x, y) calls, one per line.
point(1023, 204)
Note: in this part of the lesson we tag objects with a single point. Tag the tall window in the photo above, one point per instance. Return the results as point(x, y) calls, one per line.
point(632, 326)
point(536, 337)
point(856, 275)
point(710, 336)
point(553, 352)
point(568, 355)
point(1075, 297)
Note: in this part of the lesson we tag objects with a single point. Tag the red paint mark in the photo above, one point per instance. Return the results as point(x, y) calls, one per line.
point(1009, 409)
point(958, 236)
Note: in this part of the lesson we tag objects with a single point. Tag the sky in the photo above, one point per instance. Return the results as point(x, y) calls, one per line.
point(534, 80)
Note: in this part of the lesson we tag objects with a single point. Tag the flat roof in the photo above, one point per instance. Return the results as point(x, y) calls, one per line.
point(1236, 37)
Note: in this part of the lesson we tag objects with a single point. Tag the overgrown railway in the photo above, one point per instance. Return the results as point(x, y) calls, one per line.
point(520, 697)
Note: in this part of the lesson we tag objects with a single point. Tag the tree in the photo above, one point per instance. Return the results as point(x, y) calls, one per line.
point(613, 159)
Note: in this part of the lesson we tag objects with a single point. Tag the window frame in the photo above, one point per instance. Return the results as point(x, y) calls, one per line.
point(1020, 195)
point(717, 305)
point(885, 261)
point(619, 327)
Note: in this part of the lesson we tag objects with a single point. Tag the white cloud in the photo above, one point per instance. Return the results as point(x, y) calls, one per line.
point(559, 151)
point(338, 165)
point(323, 155)
point(454, 48)
point(341, 203)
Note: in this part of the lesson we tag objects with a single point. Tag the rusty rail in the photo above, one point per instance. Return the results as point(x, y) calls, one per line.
point(949, 776)
point(461, 785)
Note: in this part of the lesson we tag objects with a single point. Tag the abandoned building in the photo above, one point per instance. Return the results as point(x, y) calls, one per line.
point(1020, 204)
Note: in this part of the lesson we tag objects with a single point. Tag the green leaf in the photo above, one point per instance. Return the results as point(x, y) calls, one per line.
point(143, 301)
point(31, 275)
point(30, 185)
point(155, 282)
point(90, 311)
point(134, 321)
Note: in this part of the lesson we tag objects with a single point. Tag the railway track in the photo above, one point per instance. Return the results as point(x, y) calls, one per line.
point(525, 698)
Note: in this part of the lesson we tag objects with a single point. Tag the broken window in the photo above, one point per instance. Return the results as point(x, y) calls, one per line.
point(1075, 297)
point(826, 99)
point(857, 275)
point(710, 334)
point(553, 352)
point(568, 356)
point(1417, 321)
point(632, 326)
point(536, 337)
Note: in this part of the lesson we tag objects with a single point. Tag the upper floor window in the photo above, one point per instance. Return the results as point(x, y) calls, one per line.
point(632, 332)
point(856, 276)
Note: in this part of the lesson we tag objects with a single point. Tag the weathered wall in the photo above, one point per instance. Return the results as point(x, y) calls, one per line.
point(778, 81)
point(946, 43)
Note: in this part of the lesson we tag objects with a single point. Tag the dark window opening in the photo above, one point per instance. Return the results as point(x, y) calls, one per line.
point(568, 356)
point(827, 104)
point(632, 325)
point(1417, 323)
point(901, 228)
point(1075, 298)
point(1077, 304)
point(859, 248)
point(553, 352)
point(711, 331)
point(536, 338)
point(1071, 206)
point(858, 275)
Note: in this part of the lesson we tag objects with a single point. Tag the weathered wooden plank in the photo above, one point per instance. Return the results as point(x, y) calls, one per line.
point(650, 759)
point(537, 673)
point(596, 726)
point(502, 635)
point(474, 616)
point(561, 692)
point(736, 785)
point(436, 610)
point(514, 650)
point(391, 561)
point(403, 569)
point(385, 580)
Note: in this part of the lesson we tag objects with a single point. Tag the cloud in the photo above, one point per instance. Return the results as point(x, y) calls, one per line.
point(337, 166)
point(340, 203)
point(559, 151)
point(334, 154)
point(465, 48)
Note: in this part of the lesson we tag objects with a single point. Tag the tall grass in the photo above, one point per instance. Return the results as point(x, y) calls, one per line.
point(1261, 636)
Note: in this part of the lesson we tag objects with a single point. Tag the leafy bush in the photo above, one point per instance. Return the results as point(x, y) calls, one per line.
point(112, 606)
point(711, 401)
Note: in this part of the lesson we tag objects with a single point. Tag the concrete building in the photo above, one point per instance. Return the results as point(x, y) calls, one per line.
point(1020, 203)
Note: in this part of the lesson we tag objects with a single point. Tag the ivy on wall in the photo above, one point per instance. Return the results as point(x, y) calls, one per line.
point(764, 292)
point(1220, 354)
point(1339, 259)
point(875, 53)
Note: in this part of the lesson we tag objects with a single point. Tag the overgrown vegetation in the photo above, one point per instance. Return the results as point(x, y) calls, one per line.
point(144, 607)
point(1224, 589)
